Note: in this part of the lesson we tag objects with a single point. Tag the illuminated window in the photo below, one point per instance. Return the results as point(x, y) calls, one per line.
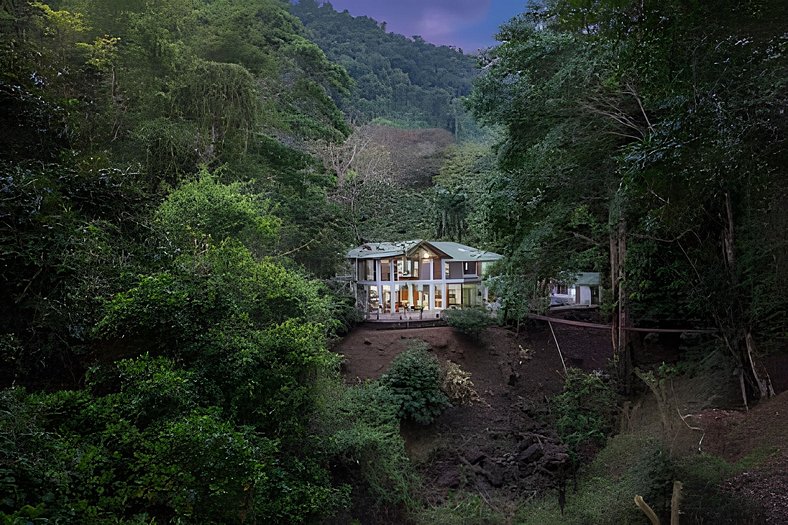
point(454, 295)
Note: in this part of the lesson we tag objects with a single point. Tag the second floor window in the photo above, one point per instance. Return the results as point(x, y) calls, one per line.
point(407, 268)
point(369, 270)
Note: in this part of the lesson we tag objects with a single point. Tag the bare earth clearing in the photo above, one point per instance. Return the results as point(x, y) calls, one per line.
point(496, 448)
point(500, 449)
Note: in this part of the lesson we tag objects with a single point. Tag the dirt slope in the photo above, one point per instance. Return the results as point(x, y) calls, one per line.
point(496, 448)
point(734, 434)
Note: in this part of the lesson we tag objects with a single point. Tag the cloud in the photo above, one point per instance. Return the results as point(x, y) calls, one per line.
point(437, 21)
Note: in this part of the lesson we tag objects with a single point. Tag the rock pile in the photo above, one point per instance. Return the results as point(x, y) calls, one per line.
point(522, 461)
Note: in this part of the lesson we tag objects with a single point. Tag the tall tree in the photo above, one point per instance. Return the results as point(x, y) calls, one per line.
point(648, 123)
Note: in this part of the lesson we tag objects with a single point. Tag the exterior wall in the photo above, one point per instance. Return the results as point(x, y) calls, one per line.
point(455, 270)
point(425, 269)
point(431, 289)
point(584, 295)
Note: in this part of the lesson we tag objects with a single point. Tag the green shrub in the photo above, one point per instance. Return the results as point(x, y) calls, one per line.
point(415, 383)
point(585, 410)
point(365, 447)
point(469, 321)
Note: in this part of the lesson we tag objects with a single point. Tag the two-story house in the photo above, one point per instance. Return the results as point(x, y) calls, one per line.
point(418, 274)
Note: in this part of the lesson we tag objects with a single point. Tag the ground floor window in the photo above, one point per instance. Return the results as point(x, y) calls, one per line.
point(402, 297)
point(386, 297)
point(414, 296)
point(454, 295)
point(373, 298)
point(424, 299)
point(471, 295)
point(463, 295)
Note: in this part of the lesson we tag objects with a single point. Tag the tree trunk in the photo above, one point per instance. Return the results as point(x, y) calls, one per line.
point(620, 337)
point(743, 344)
point(614, 288)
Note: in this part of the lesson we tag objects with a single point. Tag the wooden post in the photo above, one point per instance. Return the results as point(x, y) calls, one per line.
point(675, 503)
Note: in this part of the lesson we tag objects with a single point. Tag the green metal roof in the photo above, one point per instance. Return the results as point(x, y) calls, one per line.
point(454, 250)
point(587, 279)
point(461, 252)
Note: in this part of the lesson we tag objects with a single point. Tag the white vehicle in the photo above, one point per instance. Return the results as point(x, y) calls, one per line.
point(561, 299)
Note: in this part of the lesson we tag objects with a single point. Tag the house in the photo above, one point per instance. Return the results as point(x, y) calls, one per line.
point(582, 290)
point(419, 275)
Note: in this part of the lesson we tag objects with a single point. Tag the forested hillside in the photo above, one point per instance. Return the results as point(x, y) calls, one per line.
point(402, 80)
point(180, 181)
point(163, 341)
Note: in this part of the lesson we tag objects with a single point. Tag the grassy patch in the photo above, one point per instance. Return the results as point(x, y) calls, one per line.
point(462, 509)
point(703, 499)
point(627, 466)
point(633, 465)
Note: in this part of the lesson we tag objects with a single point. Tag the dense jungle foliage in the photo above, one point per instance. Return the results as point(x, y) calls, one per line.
point(645, 140)
point(163, 337)
point(180, 178)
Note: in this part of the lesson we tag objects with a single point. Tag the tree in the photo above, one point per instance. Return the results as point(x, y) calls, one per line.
point(636, 129)
point(364, 177)
point(163, 348)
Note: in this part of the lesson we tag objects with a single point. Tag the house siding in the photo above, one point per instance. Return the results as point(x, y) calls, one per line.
point(455, 270)
point(425, 269)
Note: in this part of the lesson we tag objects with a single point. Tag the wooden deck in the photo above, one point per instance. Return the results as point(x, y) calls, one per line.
point(404, 316)
point(405, 319)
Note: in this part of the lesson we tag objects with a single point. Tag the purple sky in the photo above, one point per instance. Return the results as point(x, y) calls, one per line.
point(469, 24)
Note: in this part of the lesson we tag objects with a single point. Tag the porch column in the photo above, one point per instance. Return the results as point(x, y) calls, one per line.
point(393, 301)
point(392, 267)
point(432, 295)
point(354, 277)
point(444, 289)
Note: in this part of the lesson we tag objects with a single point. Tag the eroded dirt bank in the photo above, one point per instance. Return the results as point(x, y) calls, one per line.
point(498, 448)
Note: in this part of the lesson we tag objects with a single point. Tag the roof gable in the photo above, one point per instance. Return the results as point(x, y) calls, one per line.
point(444, 249)
point(430, 247)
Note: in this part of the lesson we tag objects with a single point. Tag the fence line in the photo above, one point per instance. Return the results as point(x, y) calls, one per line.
point(597, 326)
